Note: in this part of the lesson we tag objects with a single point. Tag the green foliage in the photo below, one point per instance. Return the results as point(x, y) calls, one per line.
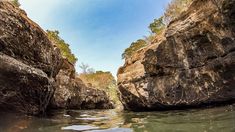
point(98, 79)
point(62, 45)
point(16, 3)
point(135, 46)
point(149, 39)
point(174, 9)
point(102, 80)
point(157, 26)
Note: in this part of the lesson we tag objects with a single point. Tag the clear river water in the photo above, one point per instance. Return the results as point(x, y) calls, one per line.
point(221, 119)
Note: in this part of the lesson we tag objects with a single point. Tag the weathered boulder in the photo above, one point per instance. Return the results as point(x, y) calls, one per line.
point(28, 63)
point(192, 66)
point(72, 93)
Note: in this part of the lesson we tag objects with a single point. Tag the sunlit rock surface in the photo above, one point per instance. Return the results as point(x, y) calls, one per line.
point(33, 73)
point(72, 93)
point(28, 63)
point(192, 66)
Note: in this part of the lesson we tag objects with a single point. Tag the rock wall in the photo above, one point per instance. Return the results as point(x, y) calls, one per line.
point(192, 66)
point(71, 92)
point(28, 63)
point(33, 74)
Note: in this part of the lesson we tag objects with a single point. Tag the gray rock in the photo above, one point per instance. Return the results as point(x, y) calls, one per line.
point(192, 66)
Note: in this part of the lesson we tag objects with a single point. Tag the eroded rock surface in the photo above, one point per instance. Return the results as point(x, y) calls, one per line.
point(33, 74)
point(28, 63)
point(194, 65)
point(72, 93)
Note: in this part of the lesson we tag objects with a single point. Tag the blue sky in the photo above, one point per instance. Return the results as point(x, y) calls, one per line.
point(98, 31)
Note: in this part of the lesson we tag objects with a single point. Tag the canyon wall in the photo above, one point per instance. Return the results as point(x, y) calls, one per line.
point(192, 66)
point(72, 93)
point(33, 73)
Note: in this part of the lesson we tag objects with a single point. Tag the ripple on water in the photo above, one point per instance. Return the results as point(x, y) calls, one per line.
point(221, 119)
point(94, 118)
point(79, 127)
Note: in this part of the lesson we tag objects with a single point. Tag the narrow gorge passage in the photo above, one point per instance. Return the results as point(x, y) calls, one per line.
point(115, 65)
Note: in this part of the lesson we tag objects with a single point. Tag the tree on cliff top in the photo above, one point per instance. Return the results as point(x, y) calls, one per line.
point(15, 2)
point(174, 9)
point(62, 45)
point(157, 26)
point(86, 69)
point(135, 46)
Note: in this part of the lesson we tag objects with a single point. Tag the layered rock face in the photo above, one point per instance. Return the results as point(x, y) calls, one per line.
point(33, 73)
point(193, 65)
point(28, 63)
point(71, 92)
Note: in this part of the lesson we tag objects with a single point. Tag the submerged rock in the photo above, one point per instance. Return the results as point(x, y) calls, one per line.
point(194, 65)
point(72, 93)
point(28, 63)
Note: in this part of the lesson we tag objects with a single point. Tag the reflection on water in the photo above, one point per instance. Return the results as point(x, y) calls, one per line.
point(220, 119)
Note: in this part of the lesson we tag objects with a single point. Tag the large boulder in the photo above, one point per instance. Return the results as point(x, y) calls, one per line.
point(28, 63)
point(72, 93)
point(192, 66)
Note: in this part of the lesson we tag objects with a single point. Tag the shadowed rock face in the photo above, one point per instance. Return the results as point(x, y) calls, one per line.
point(194, 65)
point(33, 73)
point(71, 92)
point(28, 63)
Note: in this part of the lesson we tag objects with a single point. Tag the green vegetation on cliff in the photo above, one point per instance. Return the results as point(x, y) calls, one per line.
point(62, 45)
point(157, 27)
point(133, 48)
point(15, 2)
point(174, 9)
point(103, 81)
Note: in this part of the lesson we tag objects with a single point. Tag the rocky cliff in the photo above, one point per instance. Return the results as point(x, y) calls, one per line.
point(192, 66)
point(33, 74)
point(28, 63)
point(72, 93)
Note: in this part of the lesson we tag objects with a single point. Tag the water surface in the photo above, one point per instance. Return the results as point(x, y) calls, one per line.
point(220, 119)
